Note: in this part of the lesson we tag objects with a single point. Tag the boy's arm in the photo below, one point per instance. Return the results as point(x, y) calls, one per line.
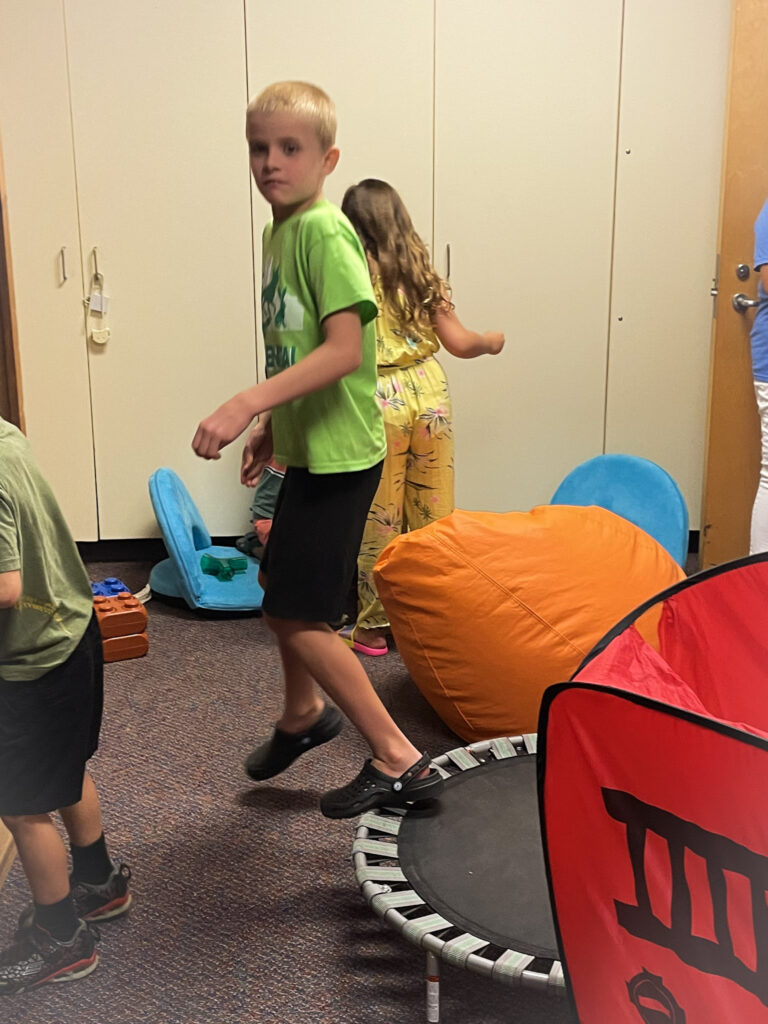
point(460, 341)
point(340, 353)
point(259, 449)
point(10, 588)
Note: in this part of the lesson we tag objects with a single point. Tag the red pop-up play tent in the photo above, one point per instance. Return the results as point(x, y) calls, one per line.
point(653, 792)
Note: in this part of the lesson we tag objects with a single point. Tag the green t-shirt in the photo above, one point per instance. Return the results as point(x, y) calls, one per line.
point(48, 621)
point(314, 265)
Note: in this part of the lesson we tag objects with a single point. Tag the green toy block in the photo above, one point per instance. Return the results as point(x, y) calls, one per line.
point(222, 568)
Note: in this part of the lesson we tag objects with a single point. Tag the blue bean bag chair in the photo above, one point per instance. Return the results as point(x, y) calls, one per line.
point(188, 542)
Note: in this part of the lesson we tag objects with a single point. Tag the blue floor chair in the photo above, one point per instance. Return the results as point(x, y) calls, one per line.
point(187, 540)
point(635, 488)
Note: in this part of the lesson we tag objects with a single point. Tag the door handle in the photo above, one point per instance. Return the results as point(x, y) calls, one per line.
point(741, 302)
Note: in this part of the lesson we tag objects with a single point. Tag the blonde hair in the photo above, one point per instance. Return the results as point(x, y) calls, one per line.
point(413, 290)
point(304, 100)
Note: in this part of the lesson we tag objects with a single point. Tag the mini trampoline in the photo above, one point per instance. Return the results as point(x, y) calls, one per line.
point(464, 879)
point(619, 856)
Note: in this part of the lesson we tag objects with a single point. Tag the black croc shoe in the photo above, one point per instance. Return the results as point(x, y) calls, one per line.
point(373, 788)
point(282, 748)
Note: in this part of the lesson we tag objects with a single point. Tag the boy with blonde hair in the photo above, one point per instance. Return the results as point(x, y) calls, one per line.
point(317, 414)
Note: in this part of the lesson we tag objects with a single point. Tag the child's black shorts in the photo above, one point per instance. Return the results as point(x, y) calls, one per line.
point(311, 555)
point(49, 728)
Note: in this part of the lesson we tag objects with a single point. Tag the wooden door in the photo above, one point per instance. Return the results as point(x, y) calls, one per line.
point(45, 249)
point(733, 442)
point(669, 165)
point(526, 103)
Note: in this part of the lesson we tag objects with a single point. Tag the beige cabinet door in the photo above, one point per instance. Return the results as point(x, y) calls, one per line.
point(673, 84)
point(525, 145)
point(157, 94)
point(376, 64)
point(45, 250)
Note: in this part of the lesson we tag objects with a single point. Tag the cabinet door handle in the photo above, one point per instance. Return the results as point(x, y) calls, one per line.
point(63, 260)
point(97, 277)
point(448, 261)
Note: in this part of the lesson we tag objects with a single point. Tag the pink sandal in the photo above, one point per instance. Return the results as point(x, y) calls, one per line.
point(348, 636)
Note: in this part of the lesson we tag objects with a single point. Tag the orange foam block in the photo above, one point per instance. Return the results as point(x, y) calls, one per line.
point(123, 623)
point(120, 648)
point(121, 615)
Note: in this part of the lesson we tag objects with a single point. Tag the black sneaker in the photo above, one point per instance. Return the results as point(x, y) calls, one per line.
point(95, 902)
point(36, 958)
point(104, 902)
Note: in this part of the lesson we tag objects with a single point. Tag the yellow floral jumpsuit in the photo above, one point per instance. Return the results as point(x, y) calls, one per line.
point(417, 479)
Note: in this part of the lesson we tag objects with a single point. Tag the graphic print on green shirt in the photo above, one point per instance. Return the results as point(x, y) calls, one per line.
point(278, 358)
point(314, 266)
point(279, 309)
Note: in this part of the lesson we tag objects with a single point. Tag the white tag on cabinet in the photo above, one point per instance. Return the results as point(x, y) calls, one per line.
point(98, 302)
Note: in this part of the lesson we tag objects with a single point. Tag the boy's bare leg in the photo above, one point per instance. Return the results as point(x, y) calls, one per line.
point(83, 819)
point(42, 855)
point(303, 704)
point(324, 657)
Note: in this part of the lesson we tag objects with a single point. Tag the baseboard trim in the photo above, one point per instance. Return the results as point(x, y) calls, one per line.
point(146, 550)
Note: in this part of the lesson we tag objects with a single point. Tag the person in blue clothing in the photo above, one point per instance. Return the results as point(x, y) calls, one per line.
point(758, 537)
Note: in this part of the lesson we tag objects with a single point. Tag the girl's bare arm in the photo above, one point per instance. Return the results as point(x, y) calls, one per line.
point(460, 340)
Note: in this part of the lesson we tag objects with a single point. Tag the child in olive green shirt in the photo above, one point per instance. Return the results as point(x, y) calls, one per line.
point(51, 696)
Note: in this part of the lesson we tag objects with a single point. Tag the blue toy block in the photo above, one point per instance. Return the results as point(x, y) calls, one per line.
point(109, 587)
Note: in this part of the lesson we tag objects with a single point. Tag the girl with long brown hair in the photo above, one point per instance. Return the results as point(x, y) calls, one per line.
point(416, 316)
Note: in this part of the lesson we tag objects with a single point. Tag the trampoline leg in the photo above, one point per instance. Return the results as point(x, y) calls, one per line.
point(433, 989)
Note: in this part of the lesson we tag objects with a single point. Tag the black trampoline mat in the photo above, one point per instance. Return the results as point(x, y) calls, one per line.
point(476, 857)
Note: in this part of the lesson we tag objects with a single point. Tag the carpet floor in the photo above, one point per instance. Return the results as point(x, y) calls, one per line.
point(246, 909)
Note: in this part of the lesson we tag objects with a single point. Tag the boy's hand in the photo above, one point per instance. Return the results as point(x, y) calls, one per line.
point(258, 450)
point(222, 427)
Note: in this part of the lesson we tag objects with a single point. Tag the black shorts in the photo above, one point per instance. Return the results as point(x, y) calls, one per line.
point(49, 728)
point(310, 559)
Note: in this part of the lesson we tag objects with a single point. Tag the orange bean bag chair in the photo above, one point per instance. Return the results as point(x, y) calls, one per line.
point(488, 609)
